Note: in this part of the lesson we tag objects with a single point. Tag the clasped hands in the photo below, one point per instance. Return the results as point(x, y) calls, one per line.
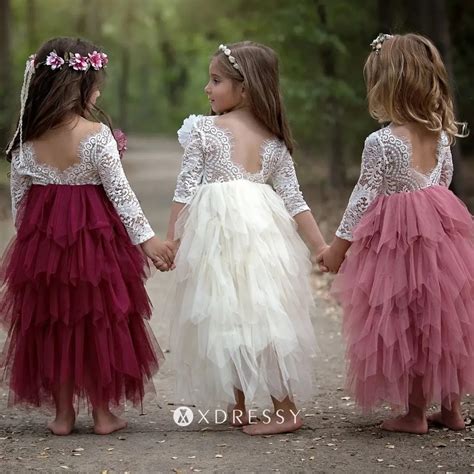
point(329, 259)
point(161, 252)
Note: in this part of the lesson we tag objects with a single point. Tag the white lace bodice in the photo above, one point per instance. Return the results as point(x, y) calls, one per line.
point(208, 159)
point(99, 164)
point(387, 169)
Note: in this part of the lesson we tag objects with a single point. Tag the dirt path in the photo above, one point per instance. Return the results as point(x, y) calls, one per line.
point(336, 438)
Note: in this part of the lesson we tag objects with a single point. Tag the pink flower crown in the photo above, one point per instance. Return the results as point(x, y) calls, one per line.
point(95, 60)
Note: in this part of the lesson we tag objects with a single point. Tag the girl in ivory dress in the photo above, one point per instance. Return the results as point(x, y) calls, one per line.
point(74, 300)
point(241, 297)
point(407, 284)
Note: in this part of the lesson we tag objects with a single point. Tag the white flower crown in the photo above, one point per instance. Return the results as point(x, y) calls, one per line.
point(376, 45)
point(231, 58)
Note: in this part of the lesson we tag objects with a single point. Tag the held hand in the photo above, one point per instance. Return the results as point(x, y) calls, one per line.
point(160, 264)
point(160, 252)
point(317, 258)
point(332, 260)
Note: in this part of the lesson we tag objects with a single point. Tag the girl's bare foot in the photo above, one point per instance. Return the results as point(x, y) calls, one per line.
point(277, 424)
point(238, 416)
point(105, 422)
point(63, 424)
point(452, 420)
point(406, 424)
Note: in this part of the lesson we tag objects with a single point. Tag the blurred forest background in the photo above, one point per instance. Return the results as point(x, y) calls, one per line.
point(159, 52)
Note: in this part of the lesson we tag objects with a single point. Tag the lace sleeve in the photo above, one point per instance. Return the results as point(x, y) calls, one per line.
point(368, 187)
point(286, 184)
point(119, 191)
point(192, 168)
point(19, 185)
point(446, 169)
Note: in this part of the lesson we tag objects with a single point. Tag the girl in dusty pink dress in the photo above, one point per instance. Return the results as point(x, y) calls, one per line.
point(407, 284)
point(74, 300)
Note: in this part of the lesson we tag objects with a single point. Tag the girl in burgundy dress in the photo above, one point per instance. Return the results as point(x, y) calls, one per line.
point(74, 300)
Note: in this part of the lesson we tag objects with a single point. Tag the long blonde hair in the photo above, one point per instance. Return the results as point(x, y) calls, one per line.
point(407, 82)
point(259, 73)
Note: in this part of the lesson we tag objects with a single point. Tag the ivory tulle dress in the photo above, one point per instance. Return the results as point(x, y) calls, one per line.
point(73, 300)
point(240, 298)
point(407, 284)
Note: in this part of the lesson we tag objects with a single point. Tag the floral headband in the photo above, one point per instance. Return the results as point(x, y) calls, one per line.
point(95, 60)
point(76, 61)
point(231, 58)
point(376, 45)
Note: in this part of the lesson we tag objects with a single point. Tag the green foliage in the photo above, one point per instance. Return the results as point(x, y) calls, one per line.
point(322, 45)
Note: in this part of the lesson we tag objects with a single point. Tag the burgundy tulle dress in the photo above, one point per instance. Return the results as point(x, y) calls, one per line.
point(407, 284)
point(73, 299)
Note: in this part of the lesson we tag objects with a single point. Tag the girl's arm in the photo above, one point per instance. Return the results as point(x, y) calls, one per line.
point(20, 183)
point(368, 187)
point(192, 170)
point(175, 210)
point(119, 192)
point(310, 233)
point(287, 187)
point(446, 168)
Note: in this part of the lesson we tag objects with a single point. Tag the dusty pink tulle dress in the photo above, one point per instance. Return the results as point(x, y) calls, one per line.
point(73, 298)
point(407, 284)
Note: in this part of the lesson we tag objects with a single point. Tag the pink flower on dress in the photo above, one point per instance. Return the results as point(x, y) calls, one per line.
point(98, 60)
point(54, 61)
point(121, 140)
point(78, 62)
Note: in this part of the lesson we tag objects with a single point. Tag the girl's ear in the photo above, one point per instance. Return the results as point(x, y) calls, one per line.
point(243, 91)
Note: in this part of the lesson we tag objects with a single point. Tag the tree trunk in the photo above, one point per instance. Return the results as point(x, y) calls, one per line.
point(385, 10)
point(5, 74)
point(336, 165)
point(31, 31)
point(434, 23)
point(124, 80)
point(123, 87)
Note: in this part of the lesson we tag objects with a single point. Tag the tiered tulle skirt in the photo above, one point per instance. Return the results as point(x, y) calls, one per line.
point(240, 299)
point(407, 289)
point(74, 302)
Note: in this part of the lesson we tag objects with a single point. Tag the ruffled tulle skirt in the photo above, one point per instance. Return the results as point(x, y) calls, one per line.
point(240, 298)
point(407, 290)
point(74, 302)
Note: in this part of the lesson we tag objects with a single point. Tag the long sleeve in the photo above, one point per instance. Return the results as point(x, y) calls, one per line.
point(19, 185)
point(120, 193)
point(286, 184)
point(446, 169)
point(192, 169)
point(368, 187)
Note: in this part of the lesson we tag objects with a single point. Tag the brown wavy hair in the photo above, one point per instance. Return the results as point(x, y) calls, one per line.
point(259, 72)
point(407, 82)
point(55, 96)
